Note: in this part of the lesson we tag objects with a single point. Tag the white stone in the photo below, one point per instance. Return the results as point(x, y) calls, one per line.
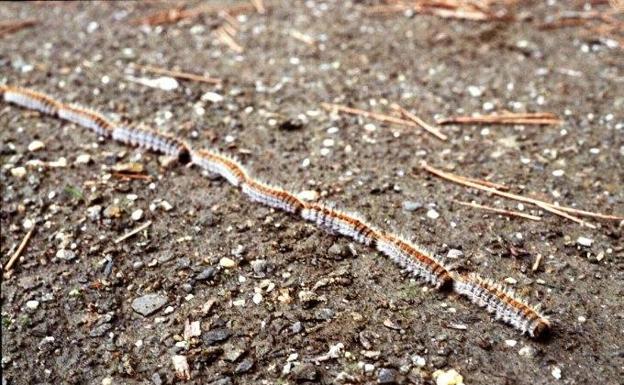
point(137, 215)
point(511, 343)
point(32, 305)
point(474, 91)
point(227, 262)
point(556, 372)
point(432, 214)
point(584, 241)
point(558, 173)
point(18, 172)
point(450, 377)
point(212, 97)
point(83, 159)
point(257, 298)
point(36, 145)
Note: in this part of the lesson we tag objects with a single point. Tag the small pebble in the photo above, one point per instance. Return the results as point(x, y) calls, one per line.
point(527, 351)
point(137, 215)
point(556, 372)
point(66, 255)
point(32, 305)
point(584, 241)
point(207, 273)
point(212, 97)
point(257, 298)
point(558, 173)
point(18, 172)
point(148, 304)
point(83, 159)
point(454, 253)
point(227, 262)
point(308, 195)
point(36, 145)
point(432, 214)
point(450, 377)
point(181, 367)
point(411, 206)
point(511, 343)
point(387, 376)
point(244, 366)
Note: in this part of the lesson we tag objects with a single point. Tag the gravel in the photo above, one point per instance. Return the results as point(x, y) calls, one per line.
point(148, 304)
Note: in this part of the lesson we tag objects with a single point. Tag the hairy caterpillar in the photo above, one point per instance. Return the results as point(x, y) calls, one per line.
point(219, 164)
point(415, 260)
point(31, 99)
point(155, 141)
point(342, 223)
point(87, 118)
point(504, 304)
point(272, 196)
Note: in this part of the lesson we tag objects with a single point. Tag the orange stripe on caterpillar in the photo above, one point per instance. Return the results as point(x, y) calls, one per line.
point(87, 118)
point(220, 164)
point(504, 304)
point(31, 99)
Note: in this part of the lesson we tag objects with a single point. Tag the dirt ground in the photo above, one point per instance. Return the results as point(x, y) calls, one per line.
point(299, 305)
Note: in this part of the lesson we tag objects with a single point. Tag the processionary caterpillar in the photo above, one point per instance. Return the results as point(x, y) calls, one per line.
point(493, 297)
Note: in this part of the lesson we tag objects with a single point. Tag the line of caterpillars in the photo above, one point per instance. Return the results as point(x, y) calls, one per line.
point(501, 302)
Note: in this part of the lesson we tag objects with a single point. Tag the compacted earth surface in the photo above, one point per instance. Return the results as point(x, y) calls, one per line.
point(244, 294)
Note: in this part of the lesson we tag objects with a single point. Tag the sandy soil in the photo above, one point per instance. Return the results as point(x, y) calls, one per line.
point(67, 307)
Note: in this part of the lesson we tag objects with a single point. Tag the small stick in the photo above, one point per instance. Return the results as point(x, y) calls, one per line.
point(137, 230)
point(19, 250)
point(368, 114)
point(178, 74)
point(302, 37)
point(559, 210)
point(228, 40)
point(486, 183)
point(538, 259)
point(259, 5)
point(429, 128)
point(499, 211)
point(540, 118)
point(122, 175)
point(8, 27)
point(173, 15)
point(548, 207)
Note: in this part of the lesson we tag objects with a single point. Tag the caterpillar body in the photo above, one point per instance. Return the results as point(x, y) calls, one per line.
point(31, 99)
point(272, 196)
point(415, 260)
point(87, 118)
point(155, 141)
point(220, 164)
point(504, 304)
point(339, 222)
point(501, 302)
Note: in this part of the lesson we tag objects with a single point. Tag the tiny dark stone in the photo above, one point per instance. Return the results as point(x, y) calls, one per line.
point(207, 273)
point(297, 327)
point(291, 125)
point(305, 372)
point(216, 335)
point(387, 376)
point(244, 366)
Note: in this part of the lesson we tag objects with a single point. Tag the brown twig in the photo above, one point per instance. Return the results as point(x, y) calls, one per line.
point(179, 74)
point(448, 9)
point(228, 40)
point(558, 210)
point(131, 233)
point(259, 5)
point(429, 128)
point(19, 250)
point(538, 118)
point(368, 114)
point(127, 176)
point(499, 211)
point(11, 26)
